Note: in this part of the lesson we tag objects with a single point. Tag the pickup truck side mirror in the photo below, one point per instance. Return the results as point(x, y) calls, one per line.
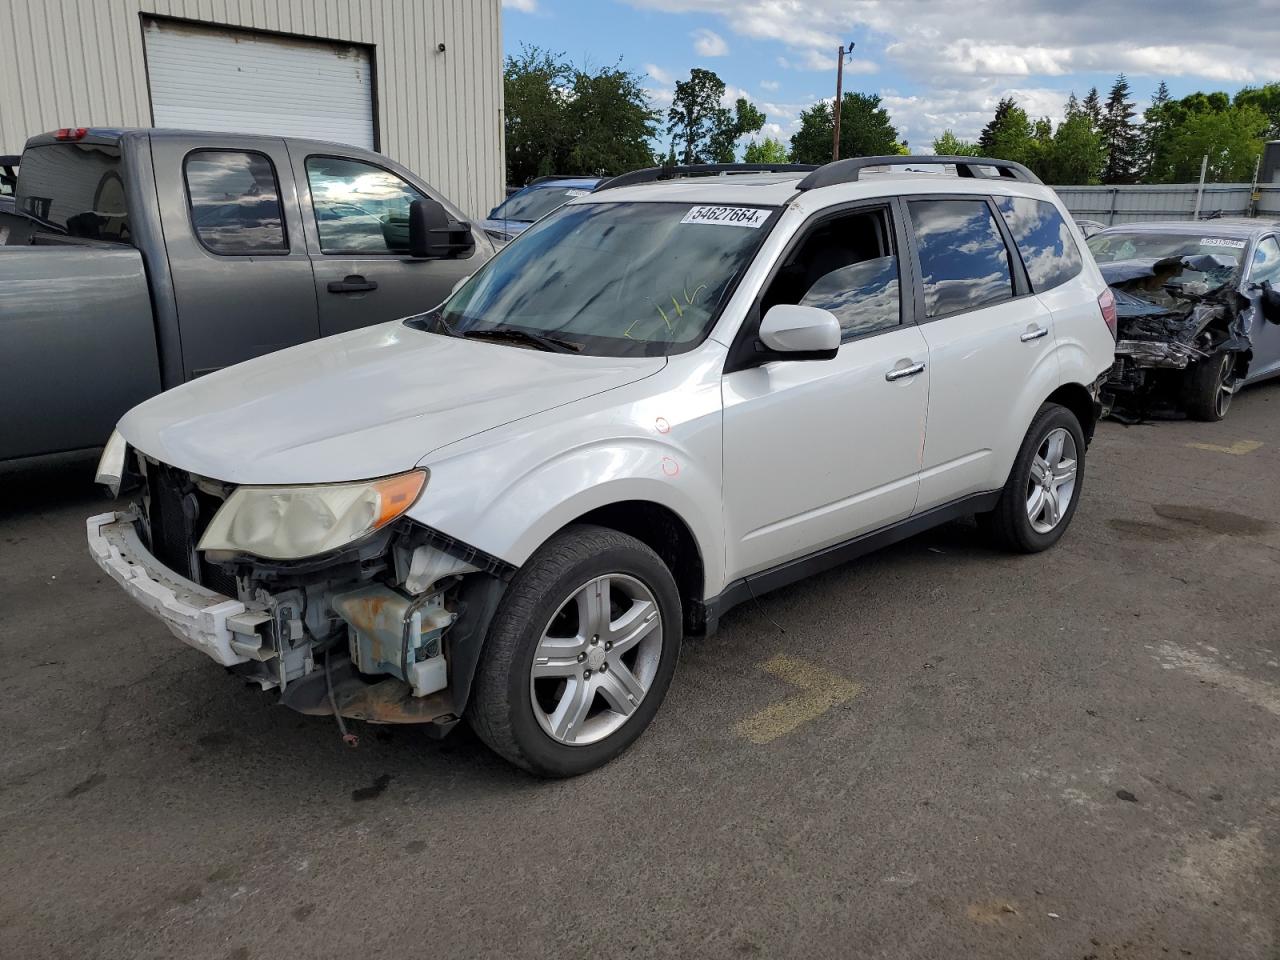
point(433, 235)
point(793, 332)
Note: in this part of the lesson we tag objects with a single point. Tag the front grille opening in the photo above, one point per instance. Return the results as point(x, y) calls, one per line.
point(177, 511)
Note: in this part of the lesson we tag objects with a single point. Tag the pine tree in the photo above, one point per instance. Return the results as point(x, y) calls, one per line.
point(987, 139)
point(1119, 134)
point(1073, 106)
point(1092, 108)
point(1154, 136)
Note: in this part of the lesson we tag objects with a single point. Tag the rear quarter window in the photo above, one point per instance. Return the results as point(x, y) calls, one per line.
point(1044, 241)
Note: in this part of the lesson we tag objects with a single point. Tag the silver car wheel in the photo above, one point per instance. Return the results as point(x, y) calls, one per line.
point(1226, 384)
point(596, 659)
point(1052, 483)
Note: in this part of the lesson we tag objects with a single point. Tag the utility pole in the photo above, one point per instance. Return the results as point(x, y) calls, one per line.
point(841, 53)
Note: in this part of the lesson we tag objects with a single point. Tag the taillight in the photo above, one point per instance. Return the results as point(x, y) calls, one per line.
point(71, 133)
point(1107, 304)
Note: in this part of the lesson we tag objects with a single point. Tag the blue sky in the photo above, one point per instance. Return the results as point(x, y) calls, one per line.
point(937, 63)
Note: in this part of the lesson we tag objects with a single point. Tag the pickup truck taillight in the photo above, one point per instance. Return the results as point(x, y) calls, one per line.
point(71, 133)
point(1107, 304)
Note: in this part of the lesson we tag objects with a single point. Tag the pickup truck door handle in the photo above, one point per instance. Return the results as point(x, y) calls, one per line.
point(910, 370)
point(1034, 333)
point(352, 284)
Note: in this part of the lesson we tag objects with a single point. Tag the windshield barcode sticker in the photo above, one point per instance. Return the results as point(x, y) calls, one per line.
point(1222, 242)
point(752, 217)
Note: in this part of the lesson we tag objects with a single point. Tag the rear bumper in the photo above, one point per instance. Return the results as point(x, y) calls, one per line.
point(222, 628)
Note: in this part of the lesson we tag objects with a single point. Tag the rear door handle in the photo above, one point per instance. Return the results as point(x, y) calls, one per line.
point(1035, 333)
point(898, 373)
point(352, 284)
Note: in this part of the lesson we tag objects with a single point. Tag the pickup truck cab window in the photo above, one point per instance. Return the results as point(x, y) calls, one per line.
point(359, 207)
point(611, 279)
point(964, 263)
point(76, 189)
point(235, 202)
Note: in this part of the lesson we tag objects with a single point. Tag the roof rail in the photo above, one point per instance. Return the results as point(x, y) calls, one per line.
point(652, 174)
point(847, 171)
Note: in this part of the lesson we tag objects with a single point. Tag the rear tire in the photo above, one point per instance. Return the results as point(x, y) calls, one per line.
point(1208, 386)
point(579, 655)
point(1035, 508)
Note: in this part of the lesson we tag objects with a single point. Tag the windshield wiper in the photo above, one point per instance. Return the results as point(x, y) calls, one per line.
point(520, 335)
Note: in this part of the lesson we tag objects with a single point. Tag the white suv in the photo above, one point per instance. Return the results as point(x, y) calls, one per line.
point(667, 396)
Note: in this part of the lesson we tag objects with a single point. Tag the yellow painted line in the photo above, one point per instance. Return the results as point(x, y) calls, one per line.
point(1238, 448)
point(820, 691)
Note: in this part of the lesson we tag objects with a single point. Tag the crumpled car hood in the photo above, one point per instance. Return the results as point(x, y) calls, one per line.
point(362, 404)
point(1151, 306)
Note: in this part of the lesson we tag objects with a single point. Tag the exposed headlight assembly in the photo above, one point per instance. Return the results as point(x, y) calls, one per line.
point(290, 523)
point(111, 463)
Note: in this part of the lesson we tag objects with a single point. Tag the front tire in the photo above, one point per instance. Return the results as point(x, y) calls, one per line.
point(1208, 386)
point(1040, 497)
point(579, 655)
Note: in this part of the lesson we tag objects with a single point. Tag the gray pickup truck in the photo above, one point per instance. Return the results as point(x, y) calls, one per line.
point(136, 260)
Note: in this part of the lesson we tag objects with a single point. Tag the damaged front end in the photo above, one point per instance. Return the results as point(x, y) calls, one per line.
point(385, 629)
point(1172, 313)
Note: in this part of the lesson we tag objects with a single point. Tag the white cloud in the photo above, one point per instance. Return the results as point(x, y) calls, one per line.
point(524, 6)
point(663, 77)
point(708, 43)
point(826, 61)
point(769, 85)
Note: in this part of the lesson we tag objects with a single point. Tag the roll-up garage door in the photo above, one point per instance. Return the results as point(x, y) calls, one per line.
point(213, 78)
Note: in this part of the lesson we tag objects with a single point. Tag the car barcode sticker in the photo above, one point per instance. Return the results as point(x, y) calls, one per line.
point(1221, 242)
point(576, 193)
point(752, 217)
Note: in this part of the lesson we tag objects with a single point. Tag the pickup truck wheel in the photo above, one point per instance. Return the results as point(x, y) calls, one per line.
point(1208, 386)
point(1039, 499)
point(580, 653)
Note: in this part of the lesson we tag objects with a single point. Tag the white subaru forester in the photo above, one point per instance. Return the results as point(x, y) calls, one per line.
point(688, 387)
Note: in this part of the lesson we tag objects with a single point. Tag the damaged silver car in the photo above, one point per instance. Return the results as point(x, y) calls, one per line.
point(1197, 315)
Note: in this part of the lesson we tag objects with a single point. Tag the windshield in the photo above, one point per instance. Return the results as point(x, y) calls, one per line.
point(534, 203)
point(611, 279)
point(1112, 247)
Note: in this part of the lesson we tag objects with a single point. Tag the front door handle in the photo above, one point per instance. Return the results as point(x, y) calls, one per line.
point(1034, 333)
point(898, 373)
point(352, 284)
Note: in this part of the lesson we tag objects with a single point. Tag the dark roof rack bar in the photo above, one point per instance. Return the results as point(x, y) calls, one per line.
point(652, 174)
point(847, 171)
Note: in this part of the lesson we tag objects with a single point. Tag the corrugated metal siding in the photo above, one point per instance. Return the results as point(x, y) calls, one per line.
point(1167, 201)
point(82, 63)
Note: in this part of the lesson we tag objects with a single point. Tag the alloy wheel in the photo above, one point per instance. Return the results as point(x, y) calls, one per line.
point(596, 659)
point(1052, 483)
point(1226, 385)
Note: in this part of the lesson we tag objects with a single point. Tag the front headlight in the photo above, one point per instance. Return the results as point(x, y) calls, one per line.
point(111, 463)
point(289, 523)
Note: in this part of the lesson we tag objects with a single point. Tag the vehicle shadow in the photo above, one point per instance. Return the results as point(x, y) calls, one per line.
point(48, 483)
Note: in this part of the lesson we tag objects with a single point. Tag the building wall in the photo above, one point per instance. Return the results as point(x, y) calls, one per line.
point(68, 63)
point(1169, 201)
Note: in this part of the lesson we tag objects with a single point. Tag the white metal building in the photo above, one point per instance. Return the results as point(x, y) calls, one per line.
point(418, 80)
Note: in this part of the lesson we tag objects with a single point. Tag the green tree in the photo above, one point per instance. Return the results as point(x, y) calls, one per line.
point(1154, 134)
point(865, 130)
point(1119, 134)
point(1232, 139)
point(949, 145)
point(1076, 154)
point(1092, 107)
point(1009, 134)
point(1267, 99)
point(703, 130)
point(767, 150)
point(560, 119)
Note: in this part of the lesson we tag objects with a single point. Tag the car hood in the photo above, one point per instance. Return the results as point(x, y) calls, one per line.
point(362, 404)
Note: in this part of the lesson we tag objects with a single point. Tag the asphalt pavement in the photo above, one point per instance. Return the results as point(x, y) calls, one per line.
point(939, 751)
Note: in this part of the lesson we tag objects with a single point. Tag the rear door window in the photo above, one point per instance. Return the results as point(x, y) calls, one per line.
point(1044, 240)
point(75, 188)
point(359, 208)
point(235, 202)
point(964, 263)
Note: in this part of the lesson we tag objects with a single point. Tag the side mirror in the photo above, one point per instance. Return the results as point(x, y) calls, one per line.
point(433, 235)
point(1270, 301)
point(794, 332)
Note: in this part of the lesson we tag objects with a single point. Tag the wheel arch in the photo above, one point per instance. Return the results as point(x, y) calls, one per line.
point(1077, 398)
